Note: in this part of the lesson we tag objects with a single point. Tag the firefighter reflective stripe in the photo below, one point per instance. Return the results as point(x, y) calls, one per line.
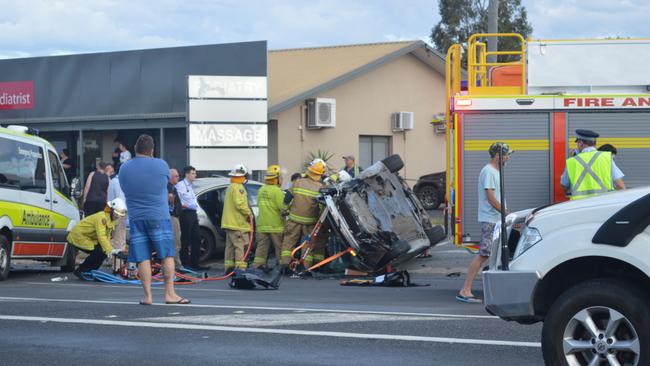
point(305, 192)
point(241, 265)
point(228, 263)
point(590, 173)
point(302, 219)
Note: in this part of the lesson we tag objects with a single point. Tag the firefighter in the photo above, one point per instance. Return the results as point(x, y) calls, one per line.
point(92, 235)
point(304, 212)
point(236, 220)
point(590, 171)
point(270, 223)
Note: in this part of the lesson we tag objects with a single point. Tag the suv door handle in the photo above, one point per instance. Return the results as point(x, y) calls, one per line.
point(55, 201)
point(47, 200)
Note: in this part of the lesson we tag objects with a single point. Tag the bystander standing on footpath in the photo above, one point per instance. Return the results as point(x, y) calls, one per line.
point(489, 213)
point(118, 240)
point(175, 209)
point(95, 190)
point(144, 182)
point(190, 240)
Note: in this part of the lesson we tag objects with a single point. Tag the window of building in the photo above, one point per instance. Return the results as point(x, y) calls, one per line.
point(373, 149)
point(22, 166)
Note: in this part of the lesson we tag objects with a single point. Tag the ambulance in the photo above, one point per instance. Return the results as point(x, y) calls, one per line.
point(534, 102)
point(37, 208)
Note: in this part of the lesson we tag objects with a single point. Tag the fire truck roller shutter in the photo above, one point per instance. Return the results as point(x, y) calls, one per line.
point(527, 174)
point(628, 131)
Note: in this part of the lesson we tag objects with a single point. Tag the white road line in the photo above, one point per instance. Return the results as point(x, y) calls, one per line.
point(272, 308)
point(137, 287)
point(391, 337)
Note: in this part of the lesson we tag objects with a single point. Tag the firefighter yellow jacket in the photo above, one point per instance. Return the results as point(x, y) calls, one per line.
point(304, 208)
point(270, 201)
point(235, 209)
point(96, 228)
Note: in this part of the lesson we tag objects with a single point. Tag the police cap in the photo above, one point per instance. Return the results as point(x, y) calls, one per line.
point(586, 135)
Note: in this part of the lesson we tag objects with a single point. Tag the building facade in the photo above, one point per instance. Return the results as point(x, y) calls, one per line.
point(369, 84)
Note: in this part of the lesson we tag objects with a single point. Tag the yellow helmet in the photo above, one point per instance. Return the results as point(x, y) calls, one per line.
point(273, 171)
point(317, 167)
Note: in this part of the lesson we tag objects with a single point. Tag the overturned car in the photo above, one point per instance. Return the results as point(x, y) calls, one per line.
point(379, 218)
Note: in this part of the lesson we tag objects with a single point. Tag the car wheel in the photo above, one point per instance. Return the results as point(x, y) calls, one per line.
point(5, 257)
point(598, 322)
point(70, 257)
point(428, 196)
point(207, 245)
point(393, 163)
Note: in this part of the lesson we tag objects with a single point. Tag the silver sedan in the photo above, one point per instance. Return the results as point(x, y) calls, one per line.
point(210, 193)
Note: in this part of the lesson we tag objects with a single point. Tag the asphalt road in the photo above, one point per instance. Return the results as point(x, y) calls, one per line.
point(305, 322)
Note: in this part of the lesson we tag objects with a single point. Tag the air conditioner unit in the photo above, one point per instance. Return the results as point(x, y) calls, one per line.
point(402, 121)
point(321, 112)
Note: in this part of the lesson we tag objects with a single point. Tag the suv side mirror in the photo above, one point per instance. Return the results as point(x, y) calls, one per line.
point(75, 188)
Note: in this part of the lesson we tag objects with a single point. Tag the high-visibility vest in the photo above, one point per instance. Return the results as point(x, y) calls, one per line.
point(590, 173)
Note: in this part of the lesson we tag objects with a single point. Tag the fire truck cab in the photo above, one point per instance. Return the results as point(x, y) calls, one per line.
point(534, 102)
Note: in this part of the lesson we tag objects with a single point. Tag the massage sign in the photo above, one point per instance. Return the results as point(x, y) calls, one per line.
point(17, 95)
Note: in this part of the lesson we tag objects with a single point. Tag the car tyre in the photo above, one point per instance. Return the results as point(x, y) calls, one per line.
point(617, 315)
point(207, 248)
point(70, 258)
point(5, 257)
point(393, 163)
point(428, 197)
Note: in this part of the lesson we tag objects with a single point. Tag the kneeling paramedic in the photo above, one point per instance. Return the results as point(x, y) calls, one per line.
point(236, 219)
point(270, 223)
point(92, 235)
point(304, 211)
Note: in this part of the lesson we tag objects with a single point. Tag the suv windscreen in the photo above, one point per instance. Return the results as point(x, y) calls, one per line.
point(22, 166)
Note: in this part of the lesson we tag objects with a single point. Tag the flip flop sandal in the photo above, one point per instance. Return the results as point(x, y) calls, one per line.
point(469, 299)
point(145, 303)
point(181, 301)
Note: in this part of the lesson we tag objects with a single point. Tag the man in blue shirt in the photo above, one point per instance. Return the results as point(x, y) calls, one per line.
point(144, 183)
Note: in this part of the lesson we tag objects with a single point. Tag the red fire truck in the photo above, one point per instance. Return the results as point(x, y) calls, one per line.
point(535, 103)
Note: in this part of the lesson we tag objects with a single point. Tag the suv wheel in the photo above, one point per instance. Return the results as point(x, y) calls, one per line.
point(598, 322)
point(428, 196)
point(207, 248)
point(5, 257)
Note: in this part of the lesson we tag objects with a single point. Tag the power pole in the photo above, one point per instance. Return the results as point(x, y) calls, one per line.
point(493, 27)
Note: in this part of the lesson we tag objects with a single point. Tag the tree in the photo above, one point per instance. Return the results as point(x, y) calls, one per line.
point(462, 18)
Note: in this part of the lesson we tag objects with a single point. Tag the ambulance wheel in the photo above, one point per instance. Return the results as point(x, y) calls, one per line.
point(69, 258)
point(5, 257)
point(207, 248)
point(393, 163)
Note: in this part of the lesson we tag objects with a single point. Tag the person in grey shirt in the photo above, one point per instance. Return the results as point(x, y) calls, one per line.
point(489, 213)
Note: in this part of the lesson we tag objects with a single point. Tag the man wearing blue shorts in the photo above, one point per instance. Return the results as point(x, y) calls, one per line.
point(144, 183)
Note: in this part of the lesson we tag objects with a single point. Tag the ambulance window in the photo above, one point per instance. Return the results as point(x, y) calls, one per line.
point(58, 176)
point(22, 166)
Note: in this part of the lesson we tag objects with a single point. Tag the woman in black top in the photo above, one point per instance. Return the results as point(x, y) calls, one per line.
point(96, 190)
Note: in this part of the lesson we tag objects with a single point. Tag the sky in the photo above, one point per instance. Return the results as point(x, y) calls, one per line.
point(55, 27)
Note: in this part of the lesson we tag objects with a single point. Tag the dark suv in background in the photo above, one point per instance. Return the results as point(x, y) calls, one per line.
point(430, 190)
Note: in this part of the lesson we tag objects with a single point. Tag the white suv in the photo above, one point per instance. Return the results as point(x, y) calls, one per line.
point(583, 268)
